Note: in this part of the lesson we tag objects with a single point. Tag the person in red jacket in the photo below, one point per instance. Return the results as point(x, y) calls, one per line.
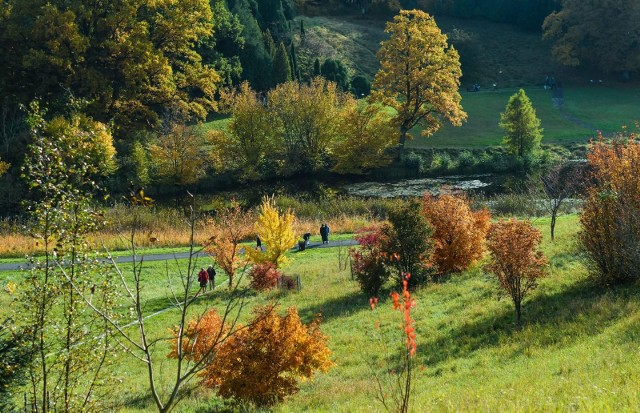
point(203, 278)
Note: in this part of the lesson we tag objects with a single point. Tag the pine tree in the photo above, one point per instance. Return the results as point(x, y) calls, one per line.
point(316, 67)
point(303, 34)
point(269, 44)
point(521, 125)
point(281, 68)
point(294, 63)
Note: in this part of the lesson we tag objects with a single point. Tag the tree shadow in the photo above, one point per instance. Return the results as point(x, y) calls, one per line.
point(560, 318)
point(336, 307)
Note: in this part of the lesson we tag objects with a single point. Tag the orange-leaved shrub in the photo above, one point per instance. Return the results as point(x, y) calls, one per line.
point(515, 258)
point(263, 361)
point(202, 338)
point(610, 219)
point(231, 226)
point(459, 233)
point(264, 276)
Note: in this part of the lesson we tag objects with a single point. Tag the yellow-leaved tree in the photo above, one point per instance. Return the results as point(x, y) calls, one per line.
point(419, 75)
point(275, 229)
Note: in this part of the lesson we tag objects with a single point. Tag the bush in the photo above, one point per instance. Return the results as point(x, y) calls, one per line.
point(611, 217)
point(368, 263)
point(264, 276)
point(459, 233)
point(515, 258)
point(286, 282)
point(407, 243)
point(263, 362)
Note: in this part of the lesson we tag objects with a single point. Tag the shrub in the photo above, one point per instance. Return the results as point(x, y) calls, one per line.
point(459, 233)
point(611, 217)
point(407, 243)
point(262, 362)
point(368, 262)
point(286, 282)
point(515, 258)
point(264, 276)
point(275, 229)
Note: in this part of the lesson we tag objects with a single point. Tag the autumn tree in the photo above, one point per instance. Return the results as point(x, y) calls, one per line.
point(602, 34)
point(516, 259)
point(521, 125)
point(275, 229)
point(263, 362)
point(365, 138)
point(419, 75)
point(229, 228)
point(458, 232)
point(248, 144)
point(304, 123)
point(177, 154)
point(610, 218)
point(129, 59)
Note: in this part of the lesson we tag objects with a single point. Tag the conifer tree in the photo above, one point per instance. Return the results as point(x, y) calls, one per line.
point(316, 67)
point(281, 68)
point(294, 63)
point(269, 43)
point(521, 125)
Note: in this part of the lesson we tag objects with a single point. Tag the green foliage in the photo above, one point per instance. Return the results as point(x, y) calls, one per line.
point(521, 125)
point(62, 164)
point(14, 359)
point(360, 86)
point(408, 243)
point(335, 71)
point(281, 72)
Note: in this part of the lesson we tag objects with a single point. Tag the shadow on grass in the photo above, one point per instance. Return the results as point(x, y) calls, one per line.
point(562, 318)
point(336, 307)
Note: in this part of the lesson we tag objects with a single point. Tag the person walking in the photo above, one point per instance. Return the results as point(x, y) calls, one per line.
point(203, 278)
point(258, 243)
point(323, 233)
point(327, 231)
point(211, 273)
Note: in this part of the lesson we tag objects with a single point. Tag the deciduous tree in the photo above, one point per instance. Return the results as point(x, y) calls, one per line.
point(611, 215)
point(275, 229)
point(263, 362)
point(515, 258)
point(459, 233)
point(419, 75)
point(364, 139)
point(521, 125)
point(600, 33)
point(228, 230)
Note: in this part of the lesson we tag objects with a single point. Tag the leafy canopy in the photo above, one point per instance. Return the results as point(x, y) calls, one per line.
point(419, 74)
point(521, 125)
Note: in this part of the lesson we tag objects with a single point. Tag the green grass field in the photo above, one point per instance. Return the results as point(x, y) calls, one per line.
point(577, 349)
point(607, 109)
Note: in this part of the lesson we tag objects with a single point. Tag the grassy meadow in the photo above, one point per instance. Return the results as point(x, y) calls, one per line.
point(577, 348)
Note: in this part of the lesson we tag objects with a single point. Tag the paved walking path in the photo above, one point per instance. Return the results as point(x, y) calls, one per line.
point(181, 255)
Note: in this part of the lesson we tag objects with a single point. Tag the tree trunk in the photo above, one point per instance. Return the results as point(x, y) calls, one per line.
point(403, 139)
point(518, 311)
point(553, 224)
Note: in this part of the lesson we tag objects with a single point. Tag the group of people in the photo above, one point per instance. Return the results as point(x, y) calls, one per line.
point(205, 277)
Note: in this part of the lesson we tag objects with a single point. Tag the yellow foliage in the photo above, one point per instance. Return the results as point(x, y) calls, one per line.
point(275, 230)
point(419, 74)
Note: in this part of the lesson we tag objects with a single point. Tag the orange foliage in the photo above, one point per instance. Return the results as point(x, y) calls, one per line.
point(201, 339)
point(262, 362)
point(407, 304)
point(515, 258)
point(611, 215)
point(264, 276)
point(229, 229)
point(459, 233)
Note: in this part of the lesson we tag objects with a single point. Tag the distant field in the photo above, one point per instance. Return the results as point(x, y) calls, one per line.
point(603, 108)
